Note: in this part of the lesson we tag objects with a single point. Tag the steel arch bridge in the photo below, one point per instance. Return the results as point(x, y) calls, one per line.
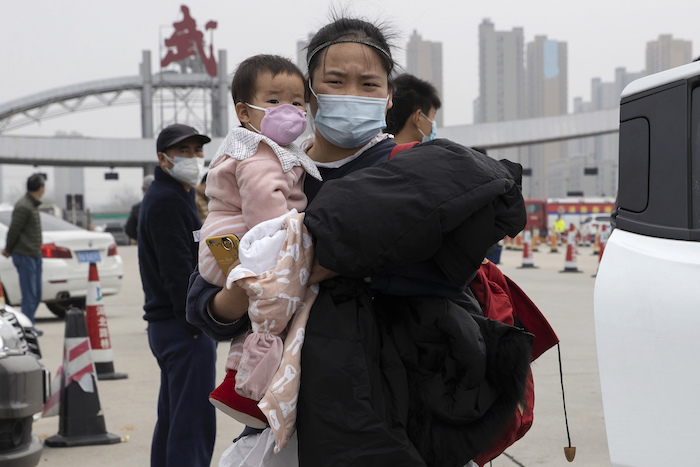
point(91, 95)
point(95, 94)
point(188, 92)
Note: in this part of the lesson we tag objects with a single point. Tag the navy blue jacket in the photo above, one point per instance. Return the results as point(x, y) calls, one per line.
point(167, 250)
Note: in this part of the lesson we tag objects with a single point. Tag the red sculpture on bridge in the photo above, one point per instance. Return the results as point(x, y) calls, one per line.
point(187, 41)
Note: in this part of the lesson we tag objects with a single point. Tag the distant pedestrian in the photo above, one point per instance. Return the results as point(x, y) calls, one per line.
point(24, 245)
point(559, 228)
point(131, 226)
point(412, 117)
point(167, 249)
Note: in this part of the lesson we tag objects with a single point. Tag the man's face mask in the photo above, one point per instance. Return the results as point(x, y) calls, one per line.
point(433, 131)
point(189, 170)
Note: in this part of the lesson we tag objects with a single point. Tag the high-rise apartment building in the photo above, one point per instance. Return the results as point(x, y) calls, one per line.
point(519, 81)
point(667, 52)
point(424, 60)
point(502, 87)
point(547, 78)
point(501, 75)
point(546, 96)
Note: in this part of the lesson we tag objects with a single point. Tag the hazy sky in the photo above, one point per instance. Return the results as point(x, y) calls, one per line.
point(47, 44)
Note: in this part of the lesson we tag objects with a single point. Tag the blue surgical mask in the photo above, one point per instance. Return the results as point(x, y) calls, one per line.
point(349, 121)
point(433, 131)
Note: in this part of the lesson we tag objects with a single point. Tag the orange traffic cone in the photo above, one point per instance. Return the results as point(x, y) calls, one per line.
point(528, 261)
point(553, 242)
point(603, 238)
point(570, 261)
point(508, 243)
point(518, 242)
point(81, 422)
point(97, 329)
point(536, 240)
point(596, 243)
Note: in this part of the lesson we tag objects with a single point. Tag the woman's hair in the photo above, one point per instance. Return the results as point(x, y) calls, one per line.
point(349, 30)
point(246, 76)
point(410, 94)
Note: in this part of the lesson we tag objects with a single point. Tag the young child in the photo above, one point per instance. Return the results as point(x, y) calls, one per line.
point(257, 175)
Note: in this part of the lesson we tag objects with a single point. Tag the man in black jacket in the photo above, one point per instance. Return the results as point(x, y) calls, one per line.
point(167, 225)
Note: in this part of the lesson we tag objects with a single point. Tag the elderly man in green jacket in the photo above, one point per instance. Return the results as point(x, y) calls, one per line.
point(24, 244)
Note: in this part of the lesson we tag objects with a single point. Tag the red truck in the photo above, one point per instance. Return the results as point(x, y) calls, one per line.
point(543, 213)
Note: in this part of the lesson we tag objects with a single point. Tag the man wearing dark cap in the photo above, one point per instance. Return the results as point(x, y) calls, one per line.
point(168, 228)
point(24, 245)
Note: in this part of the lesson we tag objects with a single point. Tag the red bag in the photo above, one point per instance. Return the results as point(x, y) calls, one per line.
point(502, 300)
point(400, 147)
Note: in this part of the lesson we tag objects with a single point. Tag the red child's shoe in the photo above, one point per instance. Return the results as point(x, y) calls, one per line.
point(226, 399)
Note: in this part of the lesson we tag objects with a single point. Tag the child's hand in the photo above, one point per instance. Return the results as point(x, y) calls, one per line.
point(320, 274)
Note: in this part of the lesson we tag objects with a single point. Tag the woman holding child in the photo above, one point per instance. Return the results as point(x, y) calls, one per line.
point(400, 369)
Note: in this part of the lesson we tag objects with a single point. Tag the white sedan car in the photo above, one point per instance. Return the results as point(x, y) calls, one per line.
point(67, 251)
point(594, 224)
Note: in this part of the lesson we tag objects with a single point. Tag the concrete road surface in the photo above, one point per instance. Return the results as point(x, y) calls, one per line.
point(566, 299)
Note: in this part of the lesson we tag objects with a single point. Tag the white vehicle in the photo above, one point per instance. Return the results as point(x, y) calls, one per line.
point(594, 224)
point(67, 251)
point(23, 380)
point(646, 302)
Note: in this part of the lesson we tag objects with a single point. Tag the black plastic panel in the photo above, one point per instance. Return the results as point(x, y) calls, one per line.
point(664, 210)
point(633, 194)
point(695, 157)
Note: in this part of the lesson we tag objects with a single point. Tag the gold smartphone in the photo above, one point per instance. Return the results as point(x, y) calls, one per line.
point(225, 250)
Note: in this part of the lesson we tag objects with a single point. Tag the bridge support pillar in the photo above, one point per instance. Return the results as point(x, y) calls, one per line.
point(146, 96)
point(220, 99)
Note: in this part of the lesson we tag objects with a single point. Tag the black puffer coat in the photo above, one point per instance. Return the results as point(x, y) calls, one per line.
point(437, 201)
point(409, 380)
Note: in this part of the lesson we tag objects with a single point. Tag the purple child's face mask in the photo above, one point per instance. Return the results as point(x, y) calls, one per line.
point(282, 124)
